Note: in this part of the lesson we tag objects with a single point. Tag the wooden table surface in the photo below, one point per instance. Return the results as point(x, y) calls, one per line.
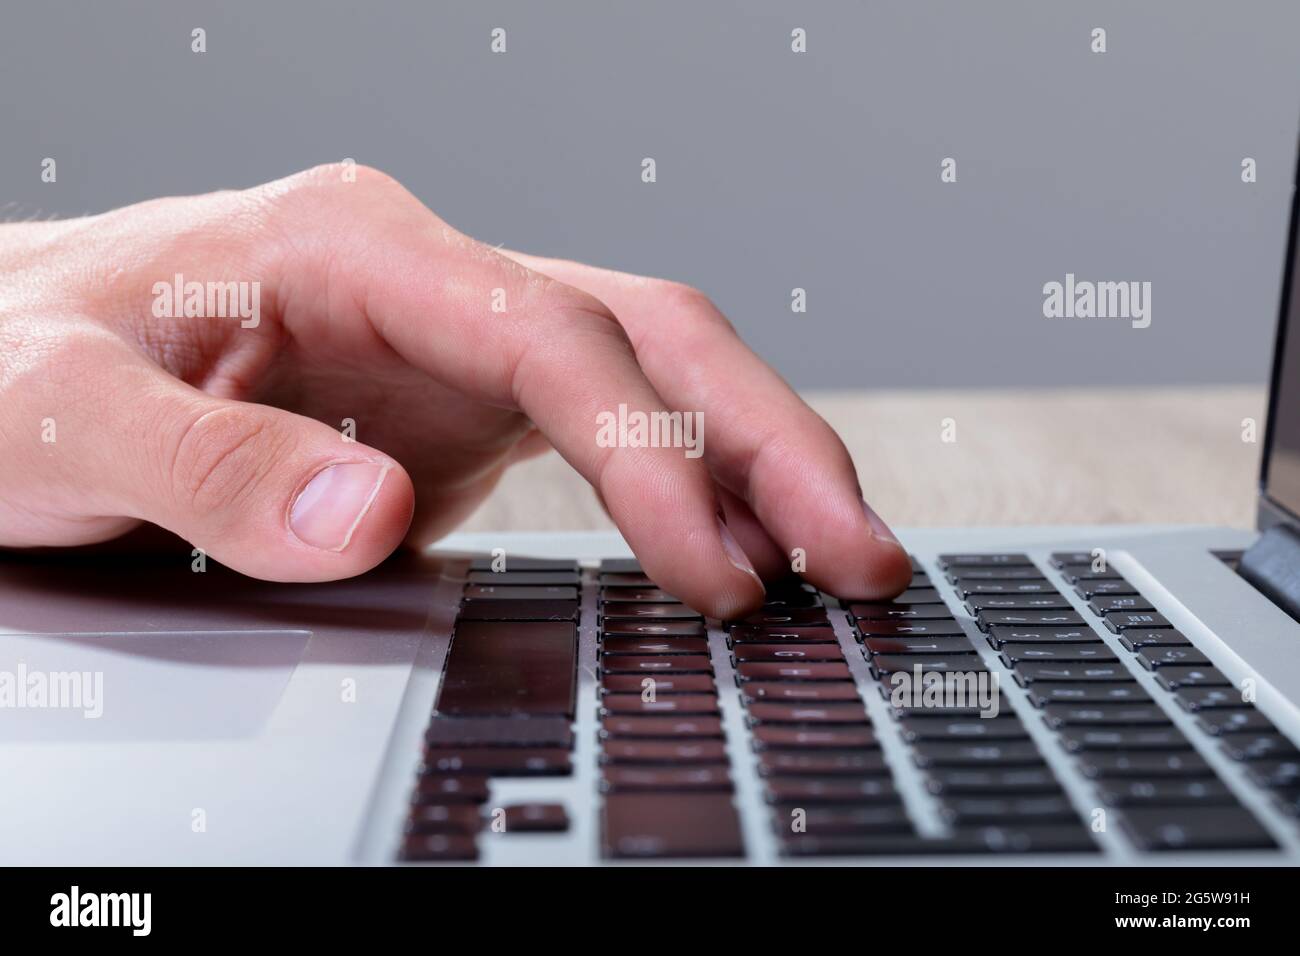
point(1077, 456)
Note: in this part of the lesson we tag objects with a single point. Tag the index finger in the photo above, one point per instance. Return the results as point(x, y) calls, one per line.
point(484, 325)
point(765, 445)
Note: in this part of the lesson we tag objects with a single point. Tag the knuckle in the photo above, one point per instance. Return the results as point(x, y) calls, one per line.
point(221, 456)
point(692, 302)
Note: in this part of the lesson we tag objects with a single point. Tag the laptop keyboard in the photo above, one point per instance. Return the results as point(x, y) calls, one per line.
point(830, 774)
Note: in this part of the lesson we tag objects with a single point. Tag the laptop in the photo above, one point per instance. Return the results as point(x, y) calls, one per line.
point(1067, 695)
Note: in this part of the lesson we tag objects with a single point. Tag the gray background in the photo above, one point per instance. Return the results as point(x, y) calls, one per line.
point(776, 170)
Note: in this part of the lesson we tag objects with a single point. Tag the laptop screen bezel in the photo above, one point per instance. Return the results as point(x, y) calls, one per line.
point(1271, 511)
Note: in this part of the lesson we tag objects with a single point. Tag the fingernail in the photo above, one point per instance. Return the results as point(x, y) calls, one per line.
point(735, 553)
point(878, 527)
point(327, 512)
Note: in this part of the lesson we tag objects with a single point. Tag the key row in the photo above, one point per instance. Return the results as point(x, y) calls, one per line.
point(665, 776)
point(504, 709)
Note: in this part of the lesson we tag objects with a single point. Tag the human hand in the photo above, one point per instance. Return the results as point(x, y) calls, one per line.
point(360, 304)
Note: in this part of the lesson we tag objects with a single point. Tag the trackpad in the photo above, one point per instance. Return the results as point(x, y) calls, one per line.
point(146, 685)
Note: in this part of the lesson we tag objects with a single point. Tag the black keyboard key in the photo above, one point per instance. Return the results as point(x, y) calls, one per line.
point(1041, 695)
point(1060, 559)
point(1105, 604)
point(1219, 722)
point(899, 612)
point(1275, 773)
point(1258, 746)
point(1103, 588)
point(822, 763)
point(1009, 560)
point(451, 788)
point(621, 778)
point(510, 668)
point(784, 712)
point(491, 592)
point(503, 579)
point(1144, 764)
point(651, 664)
point(976, 754)
point(969, 574)
point(620, 566)
point(1164, 793)
point(1051, 838)
point(657, 684)
point(652, 628)
point(675, 752)
point(1028, 619)
point(1074, 573)
point(793, 653)
point(1030, 673)
point(967, 810)
point(1210, 698)
point(991, 780)
point(910, 628)
point(513, 564)
point(1027, 838)
point(1155, 657)
point(636, 595)
point(918, 645)
point(1287, 799)
point(1005, 727)
point(746, 634)
point(499, 732)
point(535, 818)
point(999, 637)
point(654, 645)
point(1104, 715)
point(439, 847)
point(776, 736)
point(625, 579)
point(499, 761)
point(788, 617)
point(427, 819)
point(1124, 739)
point(1195, 828)
point(841, 789)
point(830, 819)
point(637, 611)
point(668, 704)
point(1119, 621)
point(1005, 587)
point(1172, 678)
point(1016, 602)
point(927, 663)
point(1013, 654)
point(1135, 640)
point(658, 825)
point(915, 595)
point(496, 609)
point(808, 691)
point(661, 727)
point(939, 709)
point(788, 670)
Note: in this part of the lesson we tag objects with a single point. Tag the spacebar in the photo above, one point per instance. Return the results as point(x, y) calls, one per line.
point(497, 668)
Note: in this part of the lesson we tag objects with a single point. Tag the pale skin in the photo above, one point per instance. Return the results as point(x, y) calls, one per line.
point(374, 309)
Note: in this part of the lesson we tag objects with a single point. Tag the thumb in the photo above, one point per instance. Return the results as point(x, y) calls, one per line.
point(263, 491)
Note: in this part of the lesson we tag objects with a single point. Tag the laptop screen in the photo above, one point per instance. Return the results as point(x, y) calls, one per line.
point(1281, 470)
